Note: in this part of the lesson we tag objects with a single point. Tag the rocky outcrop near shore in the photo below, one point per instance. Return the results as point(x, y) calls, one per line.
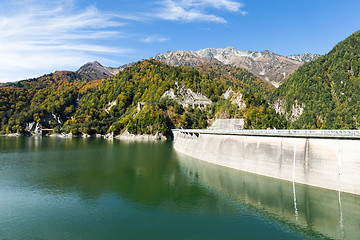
point(144, 137)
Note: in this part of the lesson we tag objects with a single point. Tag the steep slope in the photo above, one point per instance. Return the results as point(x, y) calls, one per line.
point(324, 93)
point(306, 57)
point(48, 100)
point(216, 69)
point(95, 71)
point(244, 79)
point(266, 65)
point(134, 100)
point(184, 58)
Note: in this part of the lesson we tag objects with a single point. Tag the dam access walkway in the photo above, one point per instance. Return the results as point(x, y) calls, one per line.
point(322, 158)
point(292, 133)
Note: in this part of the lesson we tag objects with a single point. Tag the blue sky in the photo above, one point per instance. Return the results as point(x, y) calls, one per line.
point(39, 37)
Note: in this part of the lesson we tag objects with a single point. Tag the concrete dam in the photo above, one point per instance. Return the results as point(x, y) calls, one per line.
point(318, 212)
point(322, 158)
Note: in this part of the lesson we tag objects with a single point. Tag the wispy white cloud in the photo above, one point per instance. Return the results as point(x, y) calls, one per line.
point(232, 6)
point(155, 38)
point(195, 10)
point(36, 39)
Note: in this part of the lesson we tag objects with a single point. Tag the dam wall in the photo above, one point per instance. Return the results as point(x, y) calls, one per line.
point(320, 213)
point(320, 160)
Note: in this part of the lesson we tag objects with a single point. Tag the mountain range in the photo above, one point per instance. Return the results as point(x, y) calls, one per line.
point(268, 66)
point(135, 100)
point(320, 94)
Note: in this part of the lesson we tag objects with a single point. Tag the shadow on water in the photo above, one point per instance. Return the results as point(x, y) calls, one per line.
point(316, 211)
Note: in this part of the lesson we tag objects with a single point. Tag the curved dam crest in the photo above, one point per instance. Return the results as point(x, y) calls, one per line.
point(326, 159)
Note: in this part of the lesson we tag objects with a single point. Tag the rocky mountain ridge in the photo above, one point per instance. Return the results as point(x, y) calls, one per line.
point(267, 65)
point(95, 71)
point(184, 58)
point(306, 57)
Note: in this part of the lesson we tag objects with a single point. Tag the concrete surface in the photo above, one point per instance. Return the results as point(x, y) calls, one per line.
point(316, 211)
point(325, 161)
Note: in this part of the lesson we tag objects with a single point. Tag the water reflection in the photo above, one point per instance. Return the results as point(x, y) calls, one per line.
point(54, 188)
point(314, 210)
point(146, 173)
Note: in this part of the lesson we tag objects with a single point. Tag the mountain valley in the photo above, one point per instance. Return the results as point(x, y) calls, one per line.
point(267, 90)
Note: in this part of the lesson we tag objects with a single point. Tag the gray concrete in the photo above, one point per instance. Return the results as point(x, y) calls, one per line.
point(327, 160)
point(230, 124)
point(318, 212)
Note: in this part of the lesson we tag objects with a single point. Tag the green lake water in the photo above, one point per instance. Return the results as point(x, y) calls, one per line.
point(54, 188)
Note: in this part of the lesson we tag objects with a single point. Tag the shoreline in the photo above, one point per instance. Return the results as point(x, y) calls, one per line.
point(126, 136)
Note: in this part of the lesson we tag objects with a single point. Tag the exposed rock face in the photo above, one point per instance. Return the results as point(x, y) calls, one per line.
point(184, 58)
point(187, 98)
point(306, 57)
point(279, 106)
point(235, 97)
point(31, 126)
point(126, 66)
point(94, 71)
point(109, 106)
point(295, 112)
point(267, 65)
point(46, 122)
point(145, 137)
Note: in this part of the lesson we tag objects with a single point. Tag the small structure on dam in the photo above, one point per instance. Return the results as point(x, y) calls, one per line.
point(228, 124)
point(322, 158)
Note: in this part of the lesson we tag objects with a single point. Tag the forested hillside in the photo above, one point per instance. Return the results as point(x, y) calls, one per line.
point(149, 98)
point(146, 82)
point(240, 77)
point(36, 100)
point(324, 93)
point(65, 103)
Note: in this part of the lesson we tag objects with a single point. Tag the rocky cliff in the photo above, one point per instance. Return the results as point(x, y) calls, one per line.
point(306, 57)
point(267, 65)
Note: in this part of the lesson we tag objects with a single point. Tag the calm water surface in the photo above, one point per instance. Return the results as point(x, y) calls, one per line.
point(52, 188)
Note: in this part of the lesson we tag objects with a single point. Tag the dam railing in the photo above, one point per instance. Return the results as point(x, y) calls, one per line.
point(341, 134)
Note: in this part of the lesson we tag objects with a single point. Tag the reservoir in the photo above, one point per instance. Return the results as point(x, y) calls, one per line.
point(55, 188)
